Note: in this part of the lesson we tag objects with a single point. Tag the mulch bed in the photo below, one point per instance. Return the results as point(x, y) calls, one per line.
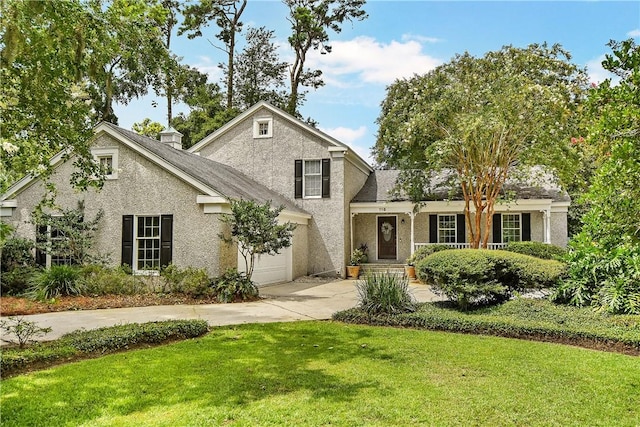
point(15, 306)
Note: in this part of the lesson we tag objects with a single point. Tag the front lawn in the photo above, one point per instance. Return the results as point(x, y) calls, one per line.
point(320, 373)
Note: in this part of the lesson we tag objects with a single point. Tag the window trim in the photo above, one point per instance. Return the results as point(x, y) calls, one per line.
point(455, 228)
point(136, 240)
point(262, 121)
point(99, 153)
point(502, 225)
point(304, 178)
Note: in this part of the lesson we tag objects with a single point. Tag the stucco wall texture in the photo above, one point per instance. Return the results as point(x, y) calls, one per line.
point(142, 188)
point(271, 161)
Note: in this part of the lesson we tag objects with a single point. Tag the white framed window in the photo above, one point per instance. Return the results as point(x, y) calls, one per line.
point(447, 229)
point(312, 179)
point(107, 158)
point(263, 127)
point(511, 228)
point(147, 243)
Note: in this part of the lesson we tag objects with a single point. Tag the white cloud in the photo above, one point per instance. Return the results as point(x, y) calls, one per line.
point(370, 61)
point(207, 65)
point(346, 135)
point(352, 137)
point(419, 38)
point(634, 33)
point(597, 73)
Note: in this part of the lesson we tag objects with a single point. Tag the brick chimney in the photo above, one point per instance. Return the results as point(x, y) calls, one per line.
point(172, 138)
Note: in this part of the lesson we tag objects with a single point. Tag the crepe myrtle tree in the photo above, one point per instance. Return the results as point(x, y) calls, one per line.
point(479, 121)
point(254, 228)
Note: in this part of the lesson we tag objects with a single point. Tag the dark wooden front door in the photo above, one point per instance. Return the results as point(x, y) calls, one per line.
point(387, 237)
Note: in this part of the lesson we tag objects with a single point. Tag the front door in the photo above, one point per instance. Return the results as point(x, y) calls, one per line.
point(387, 237)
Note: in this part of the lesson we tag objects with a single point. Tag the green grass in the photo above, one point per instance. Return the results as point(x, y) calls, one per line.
point(321, 373)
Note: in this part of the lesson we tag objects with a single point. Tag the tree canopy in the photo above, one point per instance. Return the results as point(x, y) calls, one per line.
point(480, 121)
point(310, 20)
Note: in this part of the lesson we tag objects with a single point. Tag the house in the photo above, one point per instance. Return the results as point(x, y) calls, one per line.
point(162, 204)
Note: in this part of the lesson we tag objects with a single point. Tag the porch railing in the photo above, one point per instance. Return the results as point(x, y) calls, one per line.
point(492, 246)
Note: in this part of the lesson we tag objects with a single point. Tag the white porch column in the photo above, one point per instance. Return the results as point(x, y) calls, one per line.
point(547, 223)
point(351, 233)
point(412, 216)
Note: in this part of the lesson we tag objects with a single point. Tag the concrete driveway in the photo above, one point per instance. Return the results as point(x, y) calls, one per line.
point(287, 302)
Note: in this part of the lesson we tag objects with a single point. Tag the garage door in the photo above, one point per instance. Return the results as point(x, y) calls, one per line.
point(271, 268)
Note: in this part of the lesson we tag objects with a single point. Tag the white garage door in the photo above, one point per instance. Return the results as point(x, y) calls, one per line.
point(271, 268)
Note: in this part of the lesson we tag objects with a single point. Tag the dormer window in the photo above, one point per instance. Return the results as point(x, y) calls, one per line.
point(263, 127)
point(107, 158)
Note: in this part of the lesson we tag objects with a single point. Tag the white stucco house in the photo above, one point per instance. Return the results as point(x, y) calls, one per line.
point(162, 204)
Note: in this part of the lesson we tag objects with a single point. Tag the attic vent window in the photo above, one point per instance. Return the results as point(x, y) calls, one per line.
point(107, 158)
point(263, 128)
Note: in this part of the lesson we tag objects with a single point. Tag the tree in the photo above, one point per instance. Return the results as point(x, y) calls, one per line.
point(44, 102)
point(604, 263)
point(148, 128)
point(259, 73)
point(226, 14)
point(255, 229)
point(131, 52)
point(480, 121)
point(207, 114)
point(310, 20)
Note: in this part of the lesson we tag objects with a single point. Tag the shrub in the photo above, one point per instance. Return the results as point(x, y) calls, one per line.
point(17, 281)
point(194, 282)
point(537, 249)
point(122, 336)
point(234, 286)
point(100, 280)
point(385, 294)
point(59, 280)
point(518, 318)
point(24, 330)
point(102, 341)
point(424, 251)
point(606, 277)
point(17, 252)
point(475, 276)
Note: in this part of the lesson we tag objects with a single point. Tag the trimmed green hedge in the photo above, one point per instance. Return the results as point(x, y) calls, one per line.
point(477, 276)
point(424, 251)
point(537, 249)
point(518, 318)
point(99, 341)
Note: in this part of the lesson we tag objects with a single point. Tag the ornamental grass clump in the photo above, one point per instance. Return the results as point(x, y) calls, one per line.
point(385, 294)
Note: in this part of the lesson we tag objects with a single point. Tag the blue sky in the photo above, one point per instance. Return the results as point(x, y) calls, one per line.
point(402, 38)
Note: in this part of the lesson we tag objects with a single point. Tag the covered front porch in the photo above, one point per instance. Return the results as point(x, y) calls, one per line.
point(392, 231)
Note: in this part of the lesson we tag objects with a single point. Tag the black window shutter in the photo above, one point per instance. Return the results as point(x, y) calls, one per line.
point(127, 240)
point(41, 240)
point(497, 228)
point(326, 178)
point(433, 228)
point(526, 227)
point(166, 240)
point(461, 229)
point(298, 179)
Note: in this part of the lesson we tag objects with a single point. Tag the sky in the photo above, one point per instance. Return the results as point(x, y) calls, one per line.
point(403, 38)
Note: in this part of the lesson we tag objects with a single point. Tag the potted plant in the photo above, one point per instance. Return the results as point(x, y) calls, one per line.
point(353, 269)
point(409, 268)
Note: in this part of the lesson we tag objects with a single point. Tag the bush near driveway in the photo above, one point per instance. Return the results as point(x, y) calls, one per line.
point(478, 276)
point(98, 341)
point(532, 319)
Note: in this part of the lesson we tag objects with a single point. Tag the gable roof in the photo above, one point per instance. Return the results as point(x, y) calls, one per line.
point(381, 183)
point(331, 141)
point(208, 176)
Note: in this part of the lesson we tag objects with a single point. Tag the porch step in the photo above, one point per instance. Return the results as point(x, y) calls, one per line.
point(376, 268)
